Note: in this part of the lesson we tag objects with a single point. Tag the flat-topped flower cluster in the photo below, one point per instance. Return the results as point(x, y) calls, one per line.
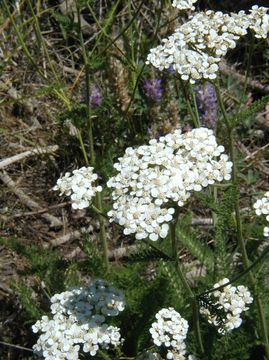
point(79, 322)
point(231, 301)
point(170, 330)
point(196, 47)
point(261, 207)
point(79, 186)
point(153, 179)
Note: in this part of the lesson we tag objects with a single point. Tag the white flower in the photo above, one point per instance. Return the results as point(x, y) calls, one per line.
point(153, 179)
point(232, 301)
point(170, 330)
point(261, 207)
point(79, 321)
point(79, 186)
point(259, 21)
point(184, 4)
point(197, 46)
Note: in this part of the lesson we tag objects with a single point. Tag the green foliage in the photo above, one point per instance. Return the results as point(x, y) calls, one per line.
point(94, 264)
point(223, 228)
point(28, 302)
point(147, 252)
point(233, 346)
point(196, 247)
point(45, 264)
point(251, 110)
point(78, 116)
point(65, 22)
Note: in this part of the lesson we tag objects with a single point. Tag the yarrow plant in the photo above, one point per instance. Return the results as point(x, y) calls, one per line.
point(261, 207)
point(79, 322)
point(196, 47)
point(230, 302)
point(153, 179)
point(79, 185)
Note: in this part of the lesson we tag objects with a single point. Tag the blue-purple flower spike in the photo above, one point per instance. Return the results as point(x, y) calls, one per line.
point(153, 89)
point(207, 105)
point(95, 97)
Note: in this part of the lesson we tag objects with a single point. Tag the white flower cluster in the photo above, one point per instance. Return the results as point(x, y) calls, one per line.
point(153, 179)
point(259, 21)
point(184, 4)
point(80, 185)
point(197, 46)
point(231, 301)
point(170, 355)
point(79, 320)
point(261, 207)
point(170, 330)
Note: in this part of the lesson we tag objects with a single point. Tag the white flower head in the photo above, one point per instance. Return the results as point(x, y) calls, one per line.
point(259, 21)
point(153, 179)
point(79, 186)
point(197, 46)
point(232, 301)
point(79, 322)
point(170, 331)
point(261, 207)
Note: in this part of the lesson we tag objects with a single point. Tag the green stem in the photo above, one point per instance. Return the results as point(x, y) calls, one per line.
point(240, 238)
point(239, 276)
point(83, 149)
point(194, 301)
point(195, 121)
point(99, 212)
point(196, 112)
point(103, 236)
point(104, 355)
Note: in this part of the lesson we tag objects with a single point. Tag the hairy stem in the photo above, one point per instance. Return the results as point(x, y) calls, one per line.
point(85, 56)
point(195, 119)
point(192, 297)
point(240, 238)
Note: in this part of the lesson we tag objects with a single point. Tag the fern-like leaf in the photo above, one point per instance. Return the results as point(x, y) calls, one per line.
point(198, 249)
point(251, 110)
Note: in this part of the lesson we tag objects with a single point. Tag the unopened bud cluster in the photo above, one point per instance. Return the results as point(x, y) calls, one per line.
point(153, 179)
point(79, 186)
point(229, 302)
point(197, 46)
point(261, 207)
point(79, 322)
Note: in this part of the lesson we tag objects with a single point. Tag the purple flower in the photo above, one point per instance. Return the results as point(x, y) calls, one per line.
point(206, 99)
point(171, 69)
point(95, 97)
point(153, 89)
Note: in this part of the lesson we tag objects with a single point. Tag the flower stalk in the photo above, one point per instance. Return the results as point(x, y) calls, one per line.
point(240, 238)
point(192, 297)
point(92, 161)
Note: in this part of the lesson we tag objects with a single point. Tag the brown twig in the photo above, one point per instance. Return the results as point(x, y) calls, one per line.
point(38, 151)
point(74, 235)
point(41, 211)
point(15, 346)
point(26, 200)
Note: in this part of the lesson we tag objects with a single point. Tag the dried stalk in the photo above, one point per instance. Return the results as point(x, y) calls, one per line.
point(26, 200)
point(38, 151)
